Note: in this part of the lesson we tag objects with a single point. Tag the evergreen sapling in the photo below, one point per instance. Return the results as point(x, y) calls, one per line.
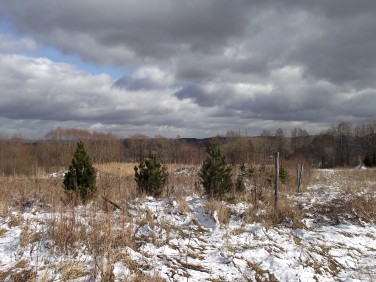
point(81, 175)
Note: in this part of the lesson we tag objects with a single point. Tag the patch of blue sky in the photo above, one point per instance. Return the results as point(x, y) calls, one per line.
point(5, 27)
point(52, 53)
point(56, 56)
point(45, 51)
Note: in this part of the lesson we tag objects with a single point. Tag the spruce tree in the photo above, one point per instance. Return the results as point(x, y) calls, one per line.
point(215, 174)
point(284, 175)
point(239, 184)
point(81, 175)
point(151, 176)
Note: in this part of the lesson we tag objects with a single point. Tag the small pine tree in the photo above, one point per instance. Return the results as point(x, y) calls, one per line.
point(215, 175)
point(284, 175)
point(151, 176)
point(81, 175)
point(239, 184)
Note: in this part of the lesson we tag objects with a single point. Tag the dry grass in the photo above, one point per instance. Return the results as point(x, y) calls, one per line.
point(117, 169)
point(118, 189)
point(15, 220)
point(46, 275)
point(286, 213)
point(72, 270)
point(27, 192)
point(2, 232)
point(20, 272)
point(262, 274)
point(28, 236)
point(142, 277)
point(99, 232)
point(127, 169)
point(183, 205)
point(223, 211)
point(356, 199)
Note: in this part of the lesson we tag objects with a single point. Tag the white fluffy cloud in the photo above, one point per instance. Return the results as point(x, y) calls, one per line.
point(39, 89)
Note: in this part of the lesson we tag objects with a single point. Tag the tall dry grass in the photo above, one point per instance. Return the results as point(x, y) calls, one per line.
point(22, 192)
point(356, 195)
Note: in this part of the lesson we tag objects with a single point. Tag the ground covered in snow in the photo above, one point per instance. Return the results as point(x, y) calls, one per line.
point(182, 239)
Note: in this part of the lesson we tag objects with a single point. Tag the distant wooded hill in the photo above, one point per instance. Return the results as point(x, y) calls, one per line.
point(343, 144)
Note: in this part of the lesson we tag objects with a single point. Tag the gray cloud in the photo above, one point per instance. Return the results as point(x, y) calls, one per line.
point(42, 90)
point(147, 77)
point(223, 63)
point(9, 44)
point(146, 28)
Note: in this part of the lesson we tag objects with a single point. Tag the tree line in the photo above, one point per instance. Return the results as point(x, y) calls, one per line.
point(343, 144)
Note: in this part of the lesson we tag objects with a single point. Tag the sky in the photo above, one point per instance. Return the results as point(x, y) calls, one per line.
point(196, 68)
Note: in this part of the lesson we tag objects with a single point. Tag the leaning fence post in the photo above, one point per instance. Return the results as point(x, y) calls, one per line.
point(276, 160)
point(299, 177)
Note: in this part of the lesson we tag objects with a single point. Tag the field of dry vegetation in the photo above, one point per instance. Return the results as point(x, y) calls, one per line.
point(326, 232)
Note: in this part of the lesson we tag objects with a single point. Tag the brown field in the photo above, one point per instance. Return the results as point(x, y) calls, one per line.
point(127, 169)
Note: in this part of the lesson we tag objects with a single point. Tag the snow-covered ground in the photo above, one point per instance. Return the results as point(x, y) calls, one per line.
point(189, 243)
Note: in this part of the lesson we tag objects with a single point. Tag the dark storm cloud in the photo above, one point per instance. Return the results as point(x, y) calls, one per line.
point(237, 61)
point(344, 53)
point(147, 28)
point(361, 104)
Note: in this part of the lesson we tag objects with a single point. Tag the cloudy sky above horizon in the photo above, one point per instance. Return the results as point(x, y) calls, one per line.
point(193, 68)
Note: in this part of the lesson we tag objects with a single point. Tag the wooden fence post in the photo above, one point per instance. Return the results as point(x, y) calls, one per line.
point(276, 160)
point(299, 177)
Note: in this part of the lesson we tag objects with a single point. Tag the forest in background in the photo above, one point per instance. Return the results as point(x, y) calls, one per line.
point(341, 145)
